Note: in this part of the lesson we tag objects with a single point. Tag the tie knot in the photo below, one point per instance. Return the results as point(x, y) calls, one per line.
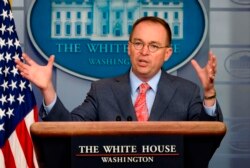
point(144, 88)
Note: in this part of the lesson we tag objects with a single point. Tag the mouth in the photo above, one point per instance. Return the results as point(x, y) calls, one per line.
point(142, 62)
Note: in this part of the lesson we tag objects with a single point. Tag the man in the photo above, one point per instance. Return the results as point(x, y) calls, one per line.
point(168, 98)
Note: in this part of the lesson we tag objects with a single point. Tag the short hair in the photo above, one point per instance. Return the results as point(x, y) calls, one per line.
point(155, 20)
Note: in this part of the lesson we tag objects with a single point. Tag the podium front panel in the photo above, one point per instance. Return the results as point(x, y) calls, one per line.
point(127, 151)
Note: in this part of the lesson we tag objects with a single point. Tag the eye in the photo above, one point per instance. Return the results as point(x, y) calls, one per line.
point(154, 46)
point(137, 43)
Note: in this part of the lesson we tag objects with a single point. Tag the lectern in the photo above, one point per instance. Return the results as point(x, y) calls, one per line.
point(126, 144)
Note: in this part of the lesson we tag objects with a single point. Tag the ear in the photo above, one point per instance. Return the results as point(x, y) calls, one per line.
point(168, 53)
point(129, 49)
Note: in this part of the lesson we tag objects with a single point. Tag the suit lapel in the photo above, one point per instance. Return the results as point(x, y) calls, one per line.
point(165, 92)
point(122, 90)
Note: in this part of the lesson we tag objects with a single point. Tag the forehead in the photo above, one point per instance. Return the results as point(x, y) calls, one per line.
point(149, 31)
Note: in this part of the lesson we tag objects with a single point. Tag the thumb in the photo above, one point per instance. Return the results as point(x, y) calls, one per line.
point(195, 65)
point(51, 61)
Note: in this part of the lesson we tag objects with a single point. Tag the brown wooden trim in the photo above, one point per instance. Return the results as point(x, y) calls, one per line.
point(53, 129)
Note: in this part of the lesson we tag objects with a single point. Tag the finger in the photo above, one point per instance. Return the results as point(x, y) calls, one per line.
point(25, 75)
point(214, 69)
point(27, 59)
point(211, 78)
point(21, 66)
point(212, 58)
point(51, 61)
point(18, 61)
point(23, 72)
point(212, 63)
point(211, 74)
point(196, 65)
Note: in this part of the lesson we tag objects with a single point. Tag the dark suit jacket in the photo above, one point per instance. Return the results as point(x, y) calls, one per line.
point(176, 99)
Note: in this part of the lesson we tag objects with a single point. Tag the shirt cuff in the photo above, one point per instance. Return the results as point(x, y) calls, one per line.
point(50, 106)
point(210, 110)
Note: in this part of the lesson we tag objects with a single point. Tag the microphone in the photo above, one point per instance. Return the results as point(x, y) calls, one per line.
point(118, 118)
point(129, 118)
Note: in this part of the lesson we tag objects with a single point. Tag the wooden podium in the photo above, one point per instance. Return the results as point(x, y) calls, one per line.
point(126, 144)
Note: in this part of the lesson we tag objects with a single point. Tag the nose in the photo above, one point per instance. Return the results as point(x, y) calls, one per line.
point(145, 50)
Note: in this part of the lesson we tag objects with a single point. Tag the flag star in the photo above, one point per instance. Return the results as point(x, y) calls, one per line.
point(10, 112)
point(10, 29)
point(4, 14)
point(22, 85)
point(3, 99)
point(20, 98)
point(17, 43)
point(11, 99)
point(16, 56)
point(10, 42)
point(2, 113)
point(5, 85)
point(14, 71)
point(7, 57)
point(5, 2)
point(13, 85)
point(15, 104)
point(6, 71)
point(1, 127)
point(30, 86)
point(2, 42)
point(11, 15)
point(1, 57)
point(3, 28)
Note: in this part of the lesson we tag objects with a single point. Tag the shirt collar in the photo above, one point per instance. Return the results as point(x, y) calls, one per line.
point(135, 81)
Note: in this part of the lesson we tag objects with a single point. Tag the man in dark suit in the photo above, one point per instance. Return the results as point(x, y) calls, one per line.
point(169, 98)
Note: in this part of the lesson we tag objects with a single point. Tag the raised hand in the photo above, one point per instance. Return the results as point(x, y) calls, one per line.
point(41, 76)
point(207, 76)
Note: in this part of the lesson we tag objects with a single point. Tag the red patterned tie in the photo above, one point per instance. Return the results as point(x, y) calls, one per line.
point(141, 108)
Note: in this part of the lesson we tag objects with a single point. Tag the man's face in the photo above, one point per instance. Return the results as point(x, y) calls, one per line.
point(145, 64)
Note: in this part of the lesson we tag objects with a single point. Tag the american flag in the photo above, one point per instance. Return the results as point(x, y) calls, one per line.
point(18, 108)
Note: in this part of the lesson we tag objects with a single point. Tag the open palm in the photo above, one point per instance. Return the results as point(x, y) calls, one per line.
point(207, 73)
point(39, 75)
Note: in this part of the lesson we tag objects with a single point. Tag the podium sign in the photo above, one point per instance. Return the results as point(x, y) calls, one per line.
point(127, 151)
point(126, 144)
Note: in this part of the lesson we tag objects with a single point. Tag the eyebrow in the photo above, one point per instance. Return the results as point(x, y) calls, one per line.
point(151, 42)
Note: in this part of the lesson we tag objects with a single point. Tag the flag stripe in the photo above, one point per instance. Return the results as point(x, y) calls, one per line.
point(17, 151)
point(2, 165)
point(17, 101)
point(25, 142)
point(8, 156)
point(29, 119)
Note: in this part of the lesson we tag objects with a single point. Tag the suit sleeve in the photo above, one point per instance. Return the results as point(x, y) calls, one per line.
point(196, 110)
point(84, 112)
